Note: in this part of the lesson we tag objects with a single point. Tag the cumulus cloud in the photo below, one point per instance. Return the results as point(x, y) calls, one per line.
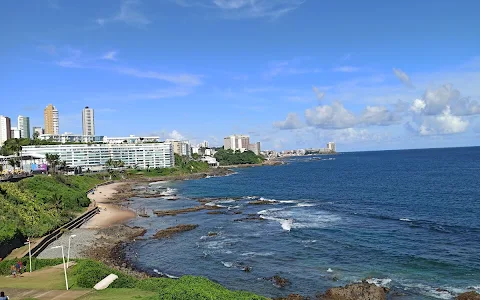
point(334, 116)
point(318, 93)
point(403, 77)
point(444, 123)
point(292, 122)
point(378, 115)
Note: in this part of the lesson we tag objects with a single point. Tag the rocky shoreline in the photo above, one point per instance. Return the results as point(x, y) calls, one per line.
point(110, 246)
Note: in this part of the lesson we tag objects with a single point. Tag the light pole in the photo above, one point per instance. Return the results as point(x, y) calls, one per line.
point(64, 265)
point(29, 253)
point(68, 252)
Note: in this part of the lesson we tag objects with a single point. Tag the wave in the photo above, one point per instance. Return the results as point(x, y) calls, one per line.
point(405, 220)
point(287, 224)
point(251, 254)
point(305, 205)
point(382, 282)
point(301, 219)
point(227, 264)
point(164, 274)
point(329, 270)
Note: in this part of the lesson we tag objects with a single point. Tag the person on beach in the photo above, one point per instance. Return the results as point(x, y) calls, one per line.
point(20, 266)
point(13, 270)
point(3, 297)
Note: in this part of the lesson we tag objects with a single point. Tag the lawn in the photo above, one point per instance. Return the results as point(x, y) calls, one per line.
point(112, 294)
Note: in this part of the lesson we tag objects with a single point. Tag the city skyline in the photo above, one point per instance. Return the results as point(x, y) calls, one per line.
point(291, 74)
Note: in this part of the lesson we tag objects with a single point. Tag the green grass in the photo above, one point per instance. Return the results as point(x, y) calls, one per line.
point(121, 293)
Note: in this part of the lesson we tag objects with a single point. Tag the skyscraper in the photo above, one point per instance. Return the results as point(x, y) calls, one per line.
point(5, 129)
point(24, 127)
point(50, 115)
point(88, 122)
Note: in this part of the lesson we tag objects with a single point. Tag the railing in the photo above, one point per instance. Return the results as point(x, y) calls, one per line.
point(50, 238)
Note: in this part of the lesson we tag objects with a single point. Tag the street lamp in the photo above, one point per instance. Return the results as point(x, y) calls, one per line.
point(64, 265)
point(29, 253)
point(68, 252)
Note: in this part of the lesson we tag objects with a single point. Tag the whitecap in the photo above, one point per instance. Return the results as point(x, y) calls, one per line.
point(165, 274)
point(288, 201)
point(405, 220)
point(257, 254)
point(382, 282)
point(330, 270)
point(227, 264)
point(305, 205)
point(431, 291)
point(266, 199)
point(287, 224)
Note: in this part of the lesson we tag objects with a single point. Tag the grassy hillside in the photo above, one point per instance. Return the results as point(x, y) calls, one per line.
point(37, 205)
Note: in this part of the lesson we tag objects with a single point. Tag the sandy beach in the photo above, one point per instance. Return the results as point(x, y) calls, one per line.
point(110, 213)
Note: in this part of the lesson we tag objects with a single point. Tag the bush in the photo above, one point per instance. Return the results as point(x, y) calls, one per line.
point(89, 272)
point(154, 284)
point(37, 264)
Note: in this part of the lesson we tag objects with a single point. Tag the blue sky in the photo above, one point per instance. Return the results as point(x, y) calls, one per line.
point(291, 73)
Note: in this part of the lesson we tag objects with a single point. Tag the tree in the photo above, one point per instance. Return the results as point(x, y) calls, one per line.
point(63, 166)
point(52, 160)
point(13, 163)
point(35, 135)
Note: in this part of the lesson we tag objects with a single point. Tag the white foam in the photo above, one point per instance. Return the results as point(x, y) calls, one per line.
point(426, 290)
point(287, 224)
point(257, 254)
point(288, 201)
point(405, 220)
point(382, 282)
point(313, 219)
point(156, 182)
point(227, 264)
point(305, 205)
point(265, 199)
point(165, 274)
point(330, 270)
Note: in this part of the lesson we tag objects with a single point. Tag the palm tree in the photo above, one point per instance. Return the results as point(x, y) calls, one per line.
point(12, 162)
point(53, 160)
point(63, 166)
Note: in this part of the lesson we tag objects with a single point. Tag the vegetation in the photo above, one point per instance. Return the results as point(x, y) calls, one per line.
point(34, 206)
point(14, 146)
point(111, 163)
point(230, 157)
point(183, 165)
point(90, 272)
point(37, 264)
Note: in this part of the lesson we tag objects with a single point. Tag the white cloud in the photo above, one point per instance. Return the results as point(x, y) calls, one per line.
point(434, 102)
point(292, 122)
point(181, 79)
point(378, 115)
point(246, 9)
point(175, 135)
point(445, 123)
point(418, 106)
point(128, 14)
point(334, 116)
point(318, 93)
point(289, 67)
point(111, 55)
point(346, 69)
point(403, 77)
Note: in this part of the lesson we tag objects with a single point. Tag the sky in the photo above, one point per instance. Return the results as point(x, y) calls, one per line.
point(368, 75)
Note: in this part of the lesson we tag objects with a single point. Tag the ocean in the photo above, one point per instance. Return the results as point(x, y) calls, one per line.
point(408, 220)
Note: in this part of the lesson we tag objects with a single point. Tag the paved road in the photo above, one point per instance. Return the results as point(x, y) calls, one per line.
point(15, 294)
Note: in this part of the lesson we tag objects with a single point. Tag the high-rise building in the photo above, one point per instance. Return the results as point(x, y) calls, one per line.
point(255, 148)
point(38, 130)
point(24, 127)
point(331, 147)
point(5, 129)
point(15, 133)
point(88, 122)
point(236, 142)
point(50, 115)
point(182, 148)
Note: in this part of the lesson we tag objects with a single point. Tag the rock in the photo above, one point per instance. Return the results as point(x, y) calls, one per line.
point(261, 202)
point(247, 269)
point(170, 231)
point(292, 297)
point(469, 296)
point(279, 281)
point(212, 234)
point(356, 291)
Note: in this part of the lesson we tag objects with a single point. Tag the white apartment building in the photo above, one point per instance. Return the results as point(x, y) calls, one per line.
point(88, 121)
point(5, 129)
point(24, 127)
point(255, 148)
point(182, 148)
point(131, 139)
point(331, 147)
point(15, 133)
point(236, 142)
point(38, 130)
point(71, 138)
point(154, 155)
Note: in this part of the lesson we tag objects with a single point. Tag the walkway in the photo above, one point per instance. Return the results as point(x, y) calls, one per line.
point(44, 294)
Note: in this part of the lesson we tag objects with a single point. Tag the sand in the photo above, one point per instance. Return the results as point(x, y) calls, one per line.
point(110, 213)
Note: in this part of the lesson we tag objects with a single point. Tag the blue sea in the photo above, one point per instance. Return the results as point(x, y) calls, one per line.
point(408, 220)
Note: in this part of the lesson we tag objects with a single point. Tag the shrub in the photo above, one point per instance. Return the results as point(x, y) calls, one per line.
point(37, 264)
point(89, 272)
point(154, 284)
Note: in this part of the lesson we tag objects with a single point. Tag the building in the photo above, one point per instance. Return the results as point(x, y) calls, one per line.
point(131, 139)
point(24, 126)
point(236, 142)
point(5, 129)
point(94, 156)
point(71, 138)
point(182, 148)
point(38, 130)
point(209, 152)
point(50, 116)
point(15, 133)
point(255, 148)
point(331, 147)
point(203, 144)
point(88, 122)
point(211, 161)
